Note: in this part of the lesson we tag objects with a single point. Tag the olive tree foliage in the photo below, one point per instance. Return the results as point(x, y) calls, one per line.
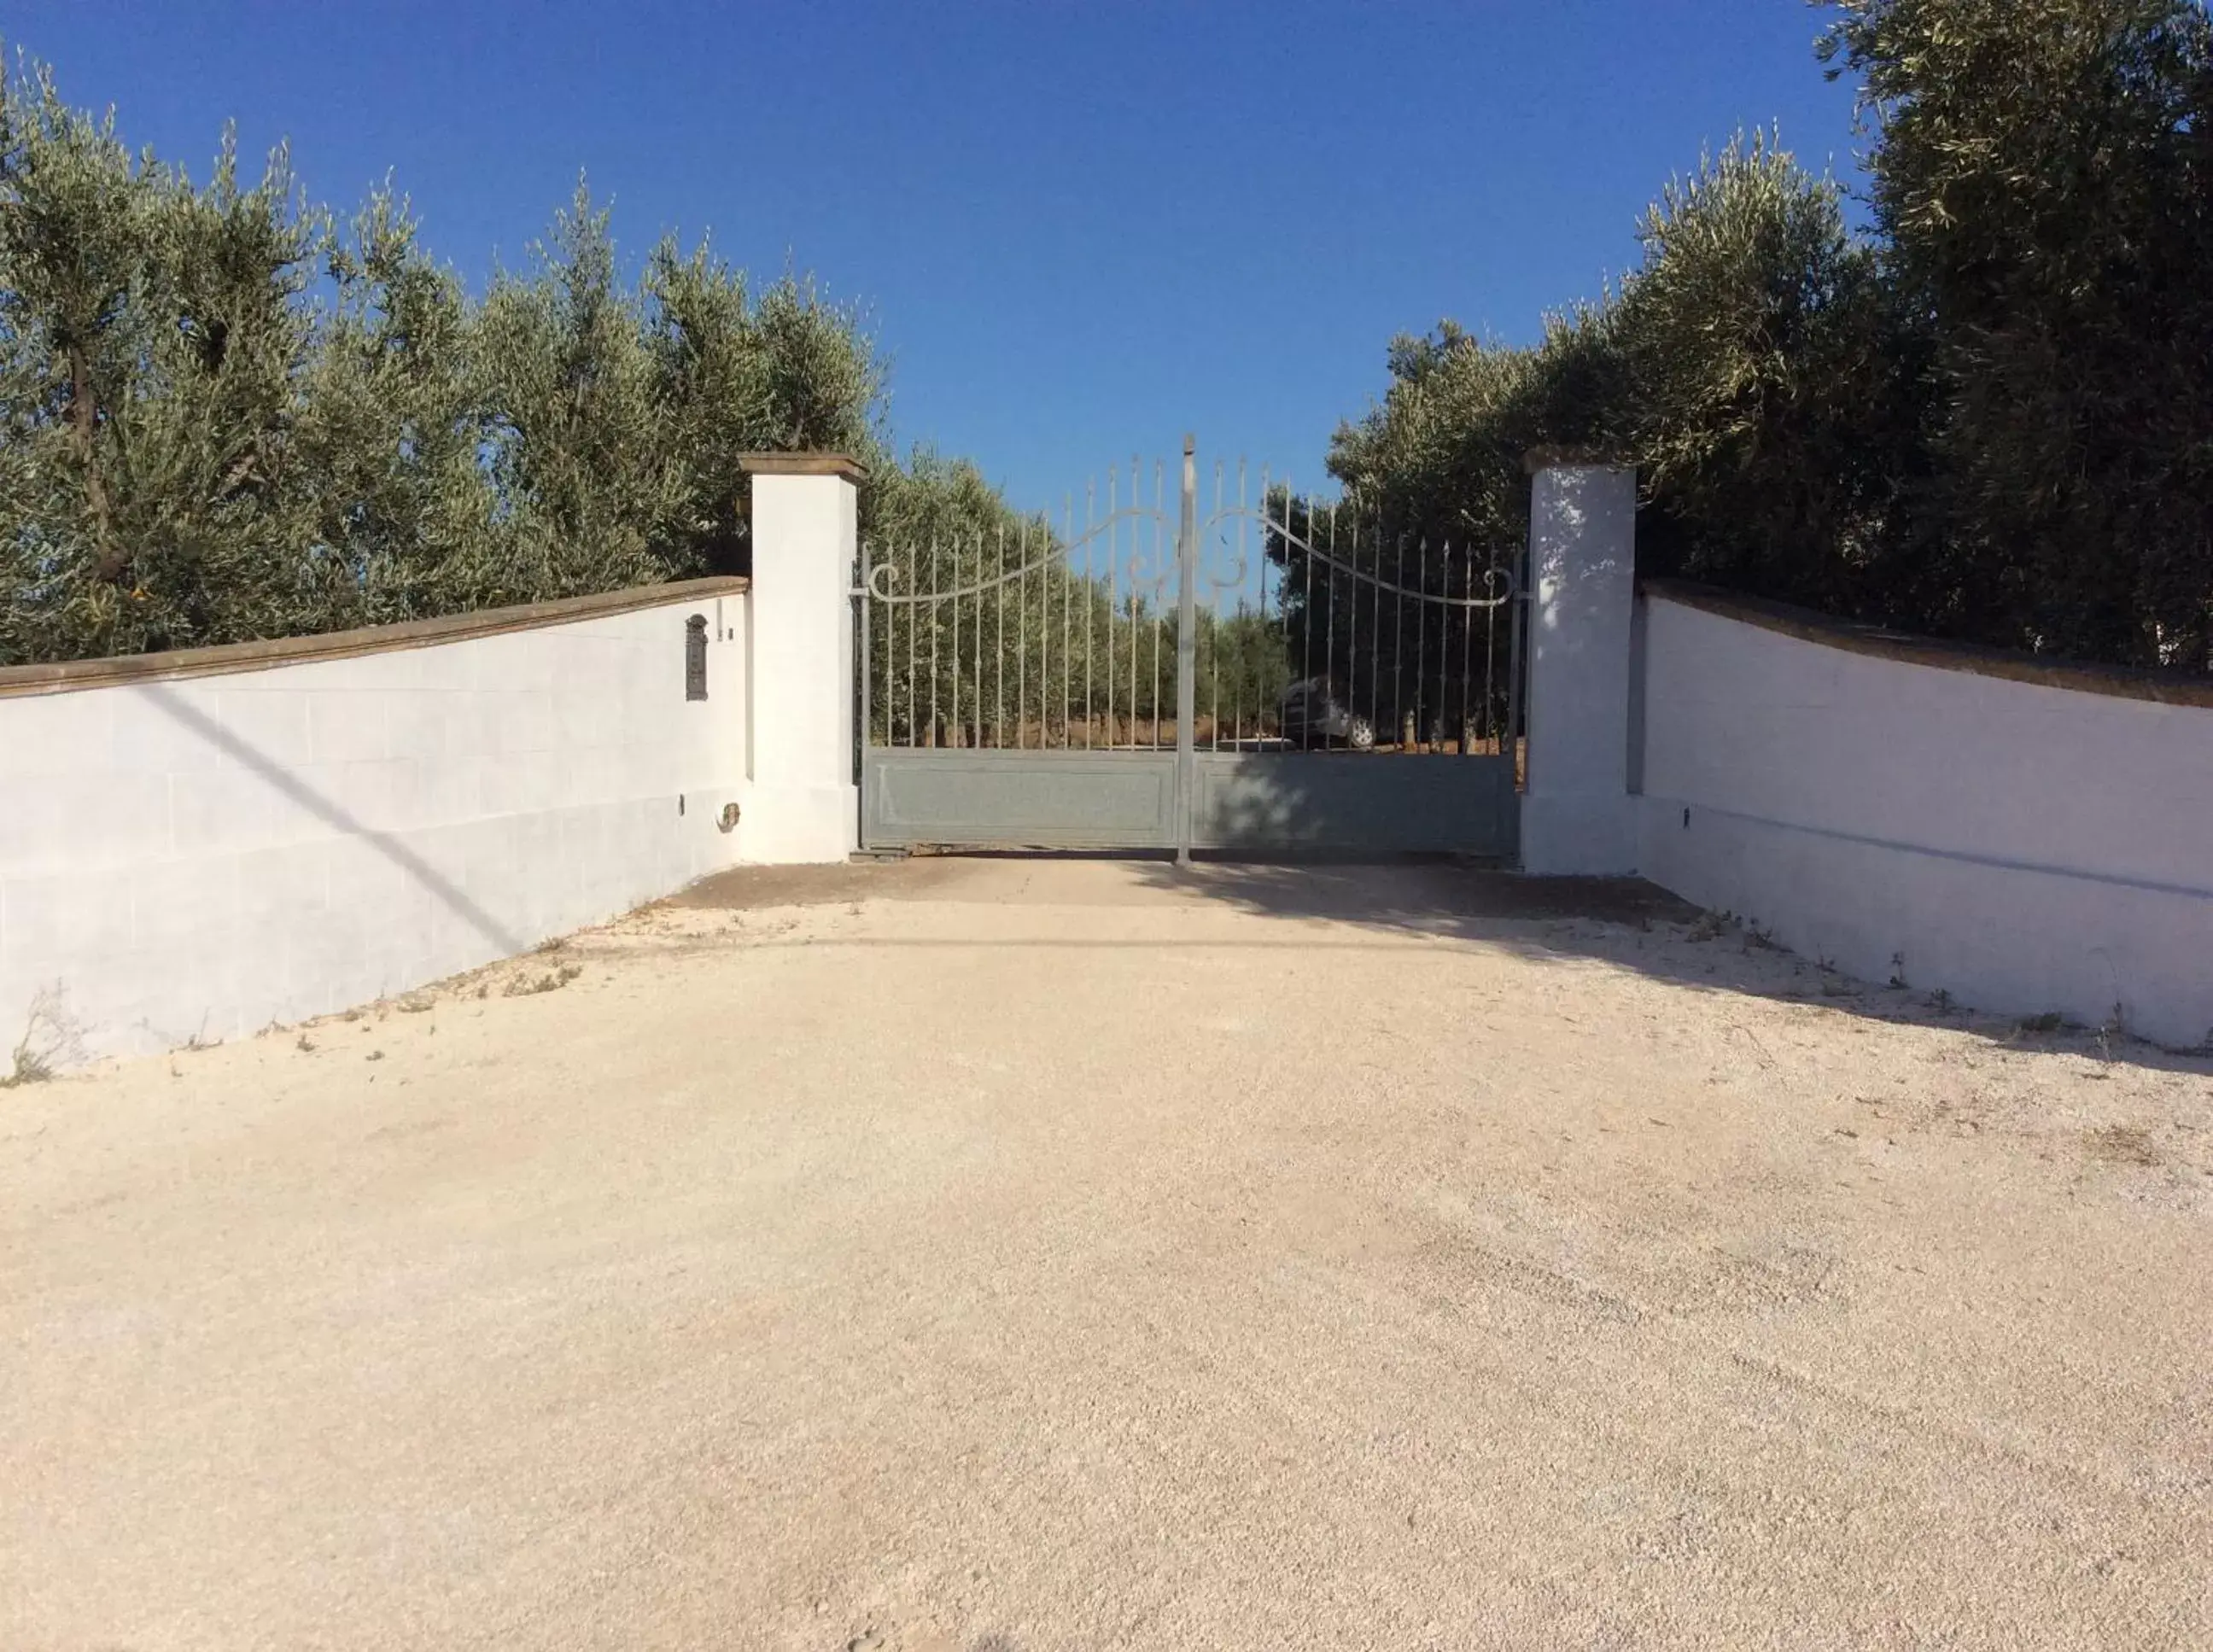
point(787, 372)
point(1990, 416)
point(226, 413)
point(154, 340)
point(2042, 191)
point(1740, 366)
point(1754, 384)
point(590, 489)
point(392, 429)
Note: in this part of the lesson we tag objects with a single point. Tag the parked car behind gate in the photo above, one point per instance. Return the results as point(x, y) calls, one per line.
point(1314, 714)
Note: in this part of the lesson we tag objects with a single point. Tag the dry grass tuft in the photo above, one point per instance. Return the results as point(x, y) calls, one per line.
point(524, 986)
point(51, 1040)
point(2129, 1144)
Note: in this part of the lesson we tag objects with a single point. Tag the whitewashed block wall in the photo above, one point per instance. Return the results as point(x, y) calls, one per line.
point(2024, 847)
point(196, 856)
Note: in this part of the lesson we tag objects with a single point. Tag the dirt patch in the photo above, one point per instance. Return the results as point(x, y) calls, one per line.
point(1434, 891)
point(2125, 1144)
point(1028, 1254)
point(746, 888)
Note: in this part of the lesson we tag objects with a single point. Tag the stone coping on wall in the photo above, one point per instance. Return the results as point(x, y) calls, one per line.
point(802, 464)
point(2122, 682)
point(64, 676)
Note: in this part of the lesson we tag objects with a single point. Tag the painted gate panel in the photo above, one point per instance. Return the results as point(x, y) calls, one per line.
point(1019, 799)
point(1350, 803)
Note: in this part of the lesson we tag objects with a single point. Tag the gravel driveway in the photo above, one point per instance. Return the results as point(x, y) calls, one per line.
point(1007, 1256)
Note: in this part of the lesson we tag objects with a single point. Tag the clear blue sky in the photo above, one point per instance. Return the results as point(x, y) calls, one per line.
point(1078, 230)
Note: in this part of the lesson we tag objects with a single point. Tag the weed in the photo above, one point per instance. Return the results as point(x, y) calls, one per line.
point(1710, 926)
point(1898, 969)
point(524, 986)
point(1756, 937)
point(555, 945)
point(2114, 1028)
point(29, 1069)
point(2050, 1021)
point(2128, 1144)
point(416, 1002)
point(304, 1045)
point(1941, 1002)
point(374, 1055)
point(51, 1040)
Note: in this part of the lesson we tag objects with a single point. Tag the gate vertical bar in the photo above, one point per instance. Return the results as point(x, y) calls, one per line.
point(1213, 634)
point(953, 723)
point(1516, 614)
point(1067, 593)
point(864, 724)
point(1466, 642)
point(868, 648)
point(1090, 587)
point(1186, 650)
point(999, 605)
point(933, 742)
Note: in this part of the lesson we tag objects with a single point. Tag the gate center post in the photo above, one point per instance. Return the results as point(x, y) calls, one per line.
point(1186, 758)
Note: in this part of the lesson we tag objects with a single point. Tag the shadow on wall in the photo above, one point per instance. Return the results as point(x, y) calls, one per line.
point(1623, 922)
point(440, 887)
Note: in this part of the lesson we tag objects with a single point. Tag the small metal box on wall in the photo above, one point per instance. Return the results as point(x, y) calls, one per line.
point(695, 657)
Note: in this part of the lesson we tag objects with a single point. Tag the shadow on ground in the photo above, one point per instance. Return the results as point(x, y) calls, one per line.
point(1623, 922)
point(1618, 920)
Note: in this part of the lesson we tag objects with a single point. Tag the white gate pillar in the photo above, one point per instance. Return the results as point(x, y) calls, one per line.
point(802, 805)
point(1578, 815)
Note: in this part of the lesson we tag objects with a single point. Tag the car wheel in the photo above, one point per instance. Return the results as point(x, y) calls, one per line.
point(1360, 734)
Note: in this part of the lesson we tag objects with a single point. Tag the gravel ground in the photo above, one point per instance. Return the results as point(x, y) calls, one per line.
point(1003, 1256)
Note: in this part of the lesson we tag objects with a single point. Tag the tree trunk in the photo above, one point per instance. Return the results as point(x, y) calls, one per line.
point(110, 563)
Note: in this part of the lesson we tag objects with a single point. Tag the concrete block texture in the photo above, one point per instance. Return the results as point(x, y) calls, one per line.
point(196, 858)
point(2025, 848)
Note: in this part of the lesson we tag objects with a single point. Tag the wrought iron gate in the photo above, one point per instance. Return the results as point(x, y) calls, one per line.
point(1335, 687)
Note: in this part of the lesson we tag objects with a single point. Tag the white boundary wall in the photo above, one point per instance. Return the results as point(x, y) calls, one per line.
point(198, 856)
point(2024, 847)
point(805, 805)
point(1577, 814)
